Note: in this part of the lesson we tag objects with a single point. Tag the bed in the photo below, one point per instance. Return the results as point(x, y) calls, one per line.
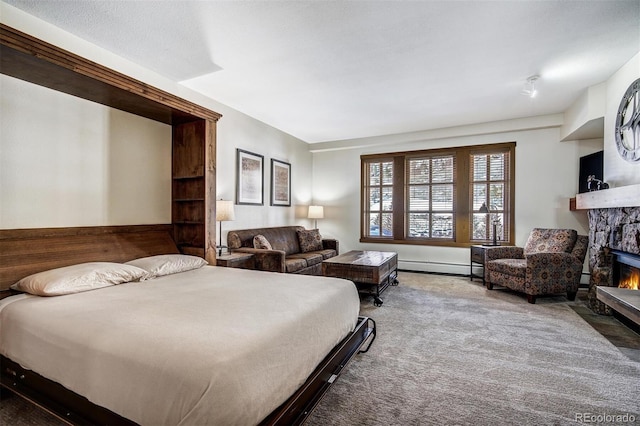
point(203, 345)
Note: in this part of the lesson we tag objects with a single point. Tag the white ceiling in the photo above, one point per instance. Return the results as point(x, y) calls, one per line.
point(334, 70)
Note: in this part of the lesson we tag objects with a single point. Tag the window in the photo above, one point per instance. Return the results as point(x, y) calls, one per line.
point(435, 196)
point(378, 190)
point(430, 194)
point(488, 184)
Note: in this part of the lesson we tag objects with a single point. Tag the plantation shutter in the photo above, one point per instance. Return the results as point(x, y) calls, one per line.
point(378, 198)
point(431, 196)
point(490, 184)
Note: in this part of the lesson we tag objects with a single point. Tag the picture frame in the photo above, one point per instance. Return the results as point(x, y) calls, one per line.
point(280, 183)
point(249, 178)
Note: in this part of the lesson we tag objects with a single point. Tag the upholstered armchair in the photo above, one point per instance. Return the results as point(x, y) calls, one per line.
point(549, 263)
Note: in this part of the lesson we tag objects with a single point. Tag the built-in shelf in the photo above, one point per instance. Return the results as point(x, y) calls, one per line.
point(188, 177)
point(622, 196)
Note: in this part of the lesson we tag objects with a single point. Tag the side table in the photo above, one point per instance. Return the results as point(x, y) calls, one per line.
point(236, 260)
point(477, 257)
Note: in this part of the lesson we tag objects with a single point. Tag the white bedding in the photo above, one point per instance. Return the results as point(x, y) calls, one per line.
point(209, 346)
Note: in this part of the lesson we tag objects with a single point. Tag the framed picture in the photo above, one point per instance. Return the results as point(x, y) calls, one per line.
point(280, 183)
point(249, 178)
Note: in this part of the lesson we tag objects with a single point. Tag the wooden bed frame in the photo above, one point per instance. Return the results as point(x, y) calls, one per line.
point(27, 251)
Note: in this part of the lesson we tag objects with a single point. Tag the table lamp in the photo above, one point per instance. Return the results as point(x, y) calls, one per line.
point(484, 209)
point(316, 212)
point(224, 212)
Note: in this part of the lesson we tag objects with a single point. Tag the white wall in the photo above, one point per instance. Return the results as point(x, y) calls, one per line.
point(586, 115)
point(82, 145)
point(617, 171)
point(66, 161)
point(546, 177)
point(236, 130)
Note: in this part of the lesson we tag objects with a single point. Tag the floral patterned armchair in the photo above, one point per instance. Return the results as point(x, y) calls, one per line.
point(550, 262)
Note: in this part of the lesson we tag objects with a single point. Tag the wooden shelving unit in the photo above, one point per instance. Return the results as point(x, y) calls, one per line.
point(193, 184)
point(194, 127)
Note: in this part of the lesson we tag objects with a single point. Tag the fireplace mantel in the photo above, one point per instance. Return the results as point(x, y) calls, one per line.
point(622, 196)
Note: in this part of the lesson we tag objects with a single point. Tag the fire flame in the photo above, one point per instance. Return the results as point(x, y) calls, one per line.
point(631, 281)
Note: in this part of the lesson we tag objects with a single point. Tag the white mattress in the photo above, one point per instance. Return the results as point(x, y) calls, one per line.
point(209, 346)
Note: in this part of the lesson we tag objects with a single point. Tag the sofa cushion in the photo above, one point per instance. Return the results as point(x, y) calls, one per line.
point(513, 267)
point(261, 242)
point(294, 265)
point(310, 240)
point(550, 241)
point(283, 239)
point(327, 254)
point(312, 258)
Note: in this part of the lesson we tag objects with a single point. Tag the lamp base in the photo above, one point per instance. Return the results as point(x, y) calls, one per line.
point(491, 245)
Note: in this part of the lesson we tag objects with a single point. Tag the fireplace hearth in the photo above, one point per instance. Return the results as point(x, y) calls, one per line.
point(623, 297)
point(614, 262)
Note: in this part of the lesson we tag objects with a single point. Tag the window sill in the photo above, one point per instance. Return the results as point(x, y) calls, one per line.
point(433, 243)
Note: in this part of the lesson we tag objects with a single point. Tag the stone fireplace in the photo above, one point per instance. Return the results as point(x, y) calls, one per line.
point(611, 231)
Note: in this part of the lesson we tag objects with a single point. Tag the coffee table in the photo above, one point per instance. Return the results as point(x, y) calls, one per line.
point(371, 271)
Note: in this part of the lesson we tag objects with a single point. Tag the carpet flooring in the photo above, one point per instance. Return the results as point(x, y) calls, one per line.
point(450, 352)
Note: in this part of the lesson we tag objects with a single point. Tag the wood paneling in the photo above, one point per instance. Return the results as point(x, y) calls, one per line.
point(26, 251)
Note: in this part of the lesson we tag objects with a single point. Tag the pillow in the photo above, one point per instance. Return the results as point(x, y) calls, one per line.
point(77, 278)
point(260, 242)
point(310, 240)
point(166, 264)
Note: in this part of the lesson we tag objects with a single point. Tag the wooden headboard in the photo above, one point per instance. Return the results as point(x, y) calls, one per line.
point(26, 251)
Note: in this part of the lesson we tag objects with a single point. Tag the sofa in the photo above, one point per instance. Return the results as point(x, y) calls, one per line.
point(549, 263)
point(289, 249)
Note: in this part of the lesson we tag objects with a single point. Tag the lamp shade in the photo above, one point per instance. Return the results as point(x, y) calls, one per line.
point(316, 212)
point(483, 208)
point(224, 210)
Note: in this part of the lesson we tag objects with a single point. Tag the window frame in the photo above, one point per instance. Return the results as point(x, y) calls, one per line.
point(462, 195)
point(365, 187)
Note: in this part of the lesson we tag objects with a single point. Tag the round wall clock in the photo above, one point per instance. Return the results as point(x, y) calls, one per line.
point(628, 124)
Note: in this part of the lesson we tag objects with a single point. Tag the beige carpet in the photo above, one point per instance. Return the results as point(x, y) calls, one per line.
point(450, 352)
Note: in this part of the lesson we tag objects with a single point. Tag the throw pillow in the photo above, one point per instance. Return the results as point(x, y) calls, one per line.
point(310, 240)
point(260, 242)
